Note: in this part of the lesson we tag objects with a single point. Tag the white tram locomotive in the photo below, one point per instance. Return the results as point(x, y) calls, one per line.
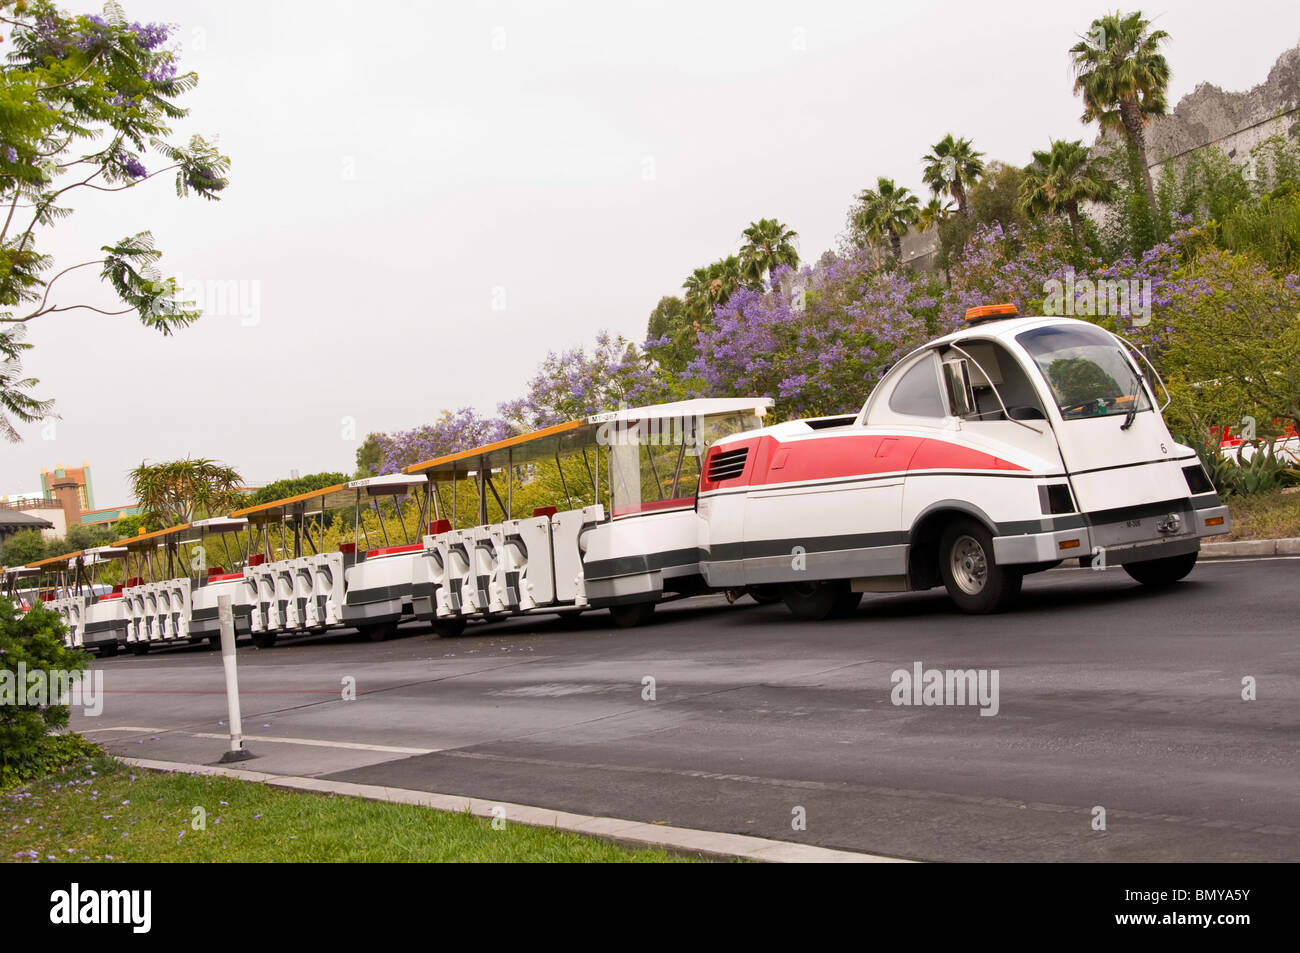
point(1000, 450)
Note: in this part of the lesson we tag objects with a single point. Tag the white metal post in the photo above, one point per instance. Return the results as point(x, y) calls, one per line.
point(226, 620)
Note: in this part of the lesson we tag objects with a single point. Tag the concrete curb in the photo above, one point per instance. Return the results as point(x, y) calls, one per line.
point(1251, 547)
point(636, 833)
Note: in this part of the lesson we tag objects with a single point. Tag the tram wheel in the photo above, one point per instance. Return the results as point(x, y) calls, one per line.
point(264, 640)
point(448, 628)
point(380, 631)
point(630, 616)
point(822, 599)
point(1158, 573)
point(971, 574)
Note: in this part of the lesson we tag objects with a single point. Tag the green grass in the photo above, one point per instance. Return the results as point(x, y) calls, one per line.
point(1274, 515)
point(101, 811)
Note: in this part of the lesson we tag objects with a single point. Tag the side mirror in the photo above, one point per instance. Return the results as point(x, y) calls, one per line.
point(961, 396)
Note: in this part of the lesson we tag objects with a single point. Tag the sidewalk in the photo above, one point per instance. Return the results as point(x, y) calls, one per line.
point(1251, 547)
point(635, 833)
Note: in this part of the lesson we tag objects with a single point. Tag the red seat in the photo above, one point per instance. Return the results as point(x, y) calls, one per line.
point(256, 559)
point(117, 588)
point(394, 550)
point(347, 548)
point(216, 571)
point(439, 526)
point(547, 511)
point(133, 581)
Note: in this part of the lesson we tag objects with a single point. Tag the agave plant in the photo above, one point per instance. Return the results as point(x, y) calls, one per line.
point(1264, 472)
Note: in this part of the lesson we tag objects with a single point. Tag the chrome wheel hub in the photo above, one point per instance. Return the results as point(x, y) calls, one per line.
point(969, 565)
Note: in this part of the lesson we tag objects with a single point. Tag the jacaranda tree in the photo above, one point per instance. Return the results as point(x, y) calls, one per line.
point(86, 102)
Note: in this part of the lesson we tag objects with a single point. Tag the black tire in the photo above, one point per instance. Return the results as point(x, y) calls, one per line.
point(264, 640)
point(1158, 573)
point(814, 601)
point(108, 650)
point(846, 603)
point(630, 616)
point(214, 642)
point(448, 628)
point(379, 632)
point(139, 648)
point(765, 595)
point(974, 580)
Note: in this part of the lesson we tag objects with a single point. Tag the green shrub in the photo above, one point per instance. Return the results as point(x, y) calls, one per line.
point(34, 641)
point(55, 753)
point(1269, 229)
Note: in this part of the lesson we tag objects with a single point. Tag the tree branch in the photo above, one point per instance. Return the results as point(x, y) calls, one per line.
point(41, 309)
point(132, 184)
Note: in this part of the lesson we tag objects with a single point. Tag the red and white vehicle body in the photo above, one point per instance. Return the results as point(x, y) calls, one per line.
point(1001, 449)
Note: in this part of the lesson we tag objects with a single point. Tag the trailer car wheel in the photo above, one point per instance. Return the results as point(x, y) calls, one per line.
point(264, 640)
point(108, 650)
point(448, 628)
point(846, 602)
point(630, 616)
point(139, 648)
point(974, 580)
point(1162, 572)
point(813, 601)
point(380, 632)
point(764, 595)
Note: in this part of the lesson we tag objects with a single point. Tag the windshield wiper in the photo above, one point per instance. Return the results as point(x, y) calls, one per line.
point(1133, 408)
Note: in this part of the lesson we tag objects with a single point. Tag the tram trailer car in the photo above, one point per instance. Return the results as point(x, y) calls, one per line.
point(997, 451)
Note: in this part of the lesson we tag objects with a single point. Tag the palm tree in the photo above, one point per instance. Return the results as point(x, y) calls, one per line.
point(697, 297)
point(952, 166)
point(934, 213)
point(725, 276)
point(1122, 76)
point(887, 211)
point(768, 244)
point(1059, 179)
point(175, 492)
point(710, 286)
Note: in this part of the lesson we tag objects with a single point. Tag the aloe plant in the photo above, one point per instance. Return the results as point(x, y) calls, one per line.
point(1263, 472)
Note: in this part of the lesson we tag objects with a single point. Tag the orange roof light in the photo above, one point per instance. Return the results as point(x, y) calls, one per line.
point(985, 311)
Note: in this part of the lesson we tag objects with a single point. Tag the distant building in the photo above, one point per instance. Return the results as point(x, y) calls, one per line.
point(13, 520)
point(67, 499)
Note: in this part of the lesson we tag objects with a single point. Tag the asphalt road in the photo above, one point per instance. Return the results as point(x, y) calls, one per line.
point(1109, 696)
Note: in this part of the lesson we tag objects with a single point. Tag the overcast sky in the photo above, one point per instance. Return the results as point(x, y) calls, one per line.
point(425, 198)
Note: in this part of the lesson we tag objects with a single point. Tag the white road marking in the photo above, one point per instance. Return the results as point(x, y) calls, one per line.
point(310, 742)
point(91, 731)
point(316, 743)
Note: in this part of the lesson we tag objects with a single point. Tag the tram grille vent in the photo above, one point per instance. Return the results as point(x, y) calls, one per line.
point(728, 465)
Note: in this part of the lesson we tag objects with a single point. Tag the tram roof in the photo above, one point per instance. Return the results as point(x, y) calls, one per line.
point(574, 435)
point(329, 498)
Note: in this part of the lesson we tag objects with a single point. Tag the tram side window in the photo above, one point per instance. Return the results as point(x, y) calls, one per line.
point(917, 394)
point(988, 371)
